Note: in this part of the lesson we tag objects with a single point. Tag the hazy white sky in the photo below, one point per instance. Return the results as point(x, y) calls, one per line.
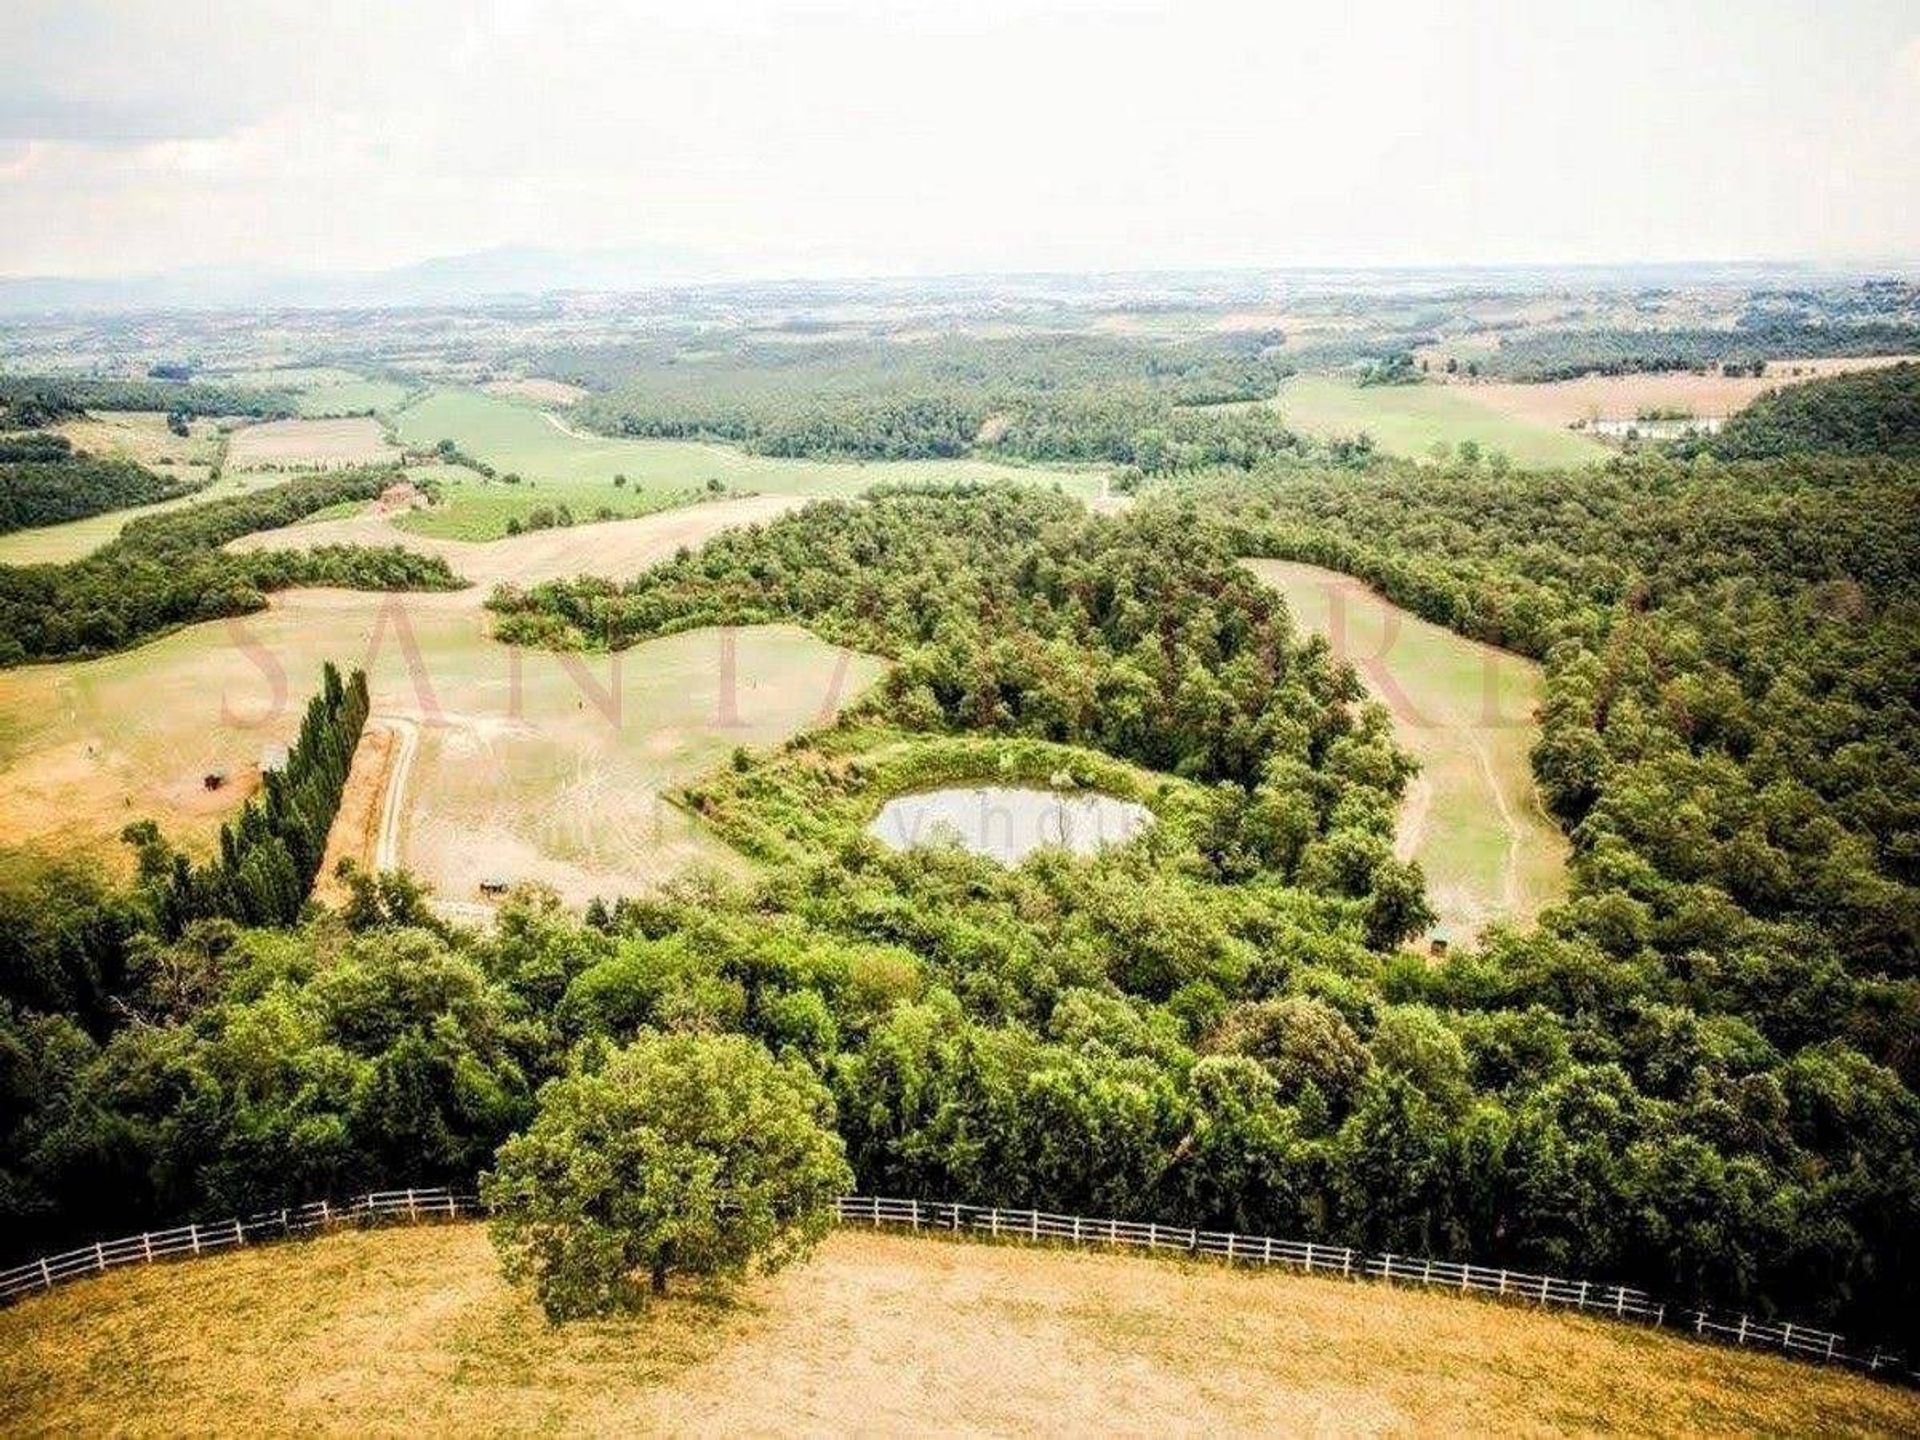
point(892, 136)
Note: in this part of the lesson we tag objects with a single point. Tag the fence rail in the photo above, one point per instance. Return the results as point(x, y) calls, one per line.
point(1617, 1302)
point(186, 1241)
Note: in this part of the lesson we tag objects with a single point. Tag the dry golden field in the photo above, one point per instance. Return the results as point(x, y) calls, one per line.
point(411, 1332)
point(1627, 397)
point(301, 444)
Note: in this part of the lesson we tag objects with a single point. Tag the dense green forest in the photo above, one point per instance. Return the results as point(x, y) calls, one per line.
point(1698, 1074)
point(1565, 354)
point(169, 569)
point(1730, 719)
point(1054, 398)
point(42, 482)
point(28, 401)
point(1869, 412)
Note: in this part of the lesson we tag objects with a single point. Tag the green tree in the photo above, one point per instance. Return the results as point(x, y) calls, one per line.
point(686, 1154)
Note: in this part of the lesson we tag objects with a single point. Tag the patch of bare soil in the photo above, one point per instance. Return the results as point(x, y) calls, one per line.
point(356, 826)
point(532, 387)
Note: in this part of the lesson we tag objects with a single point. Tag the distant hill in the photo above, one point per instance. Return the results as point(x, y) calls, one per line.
point(505, 273)
point(1865, 412)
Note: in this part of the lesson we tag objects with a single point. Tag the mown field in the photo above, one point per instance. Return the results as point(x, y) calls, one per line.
point(1472, 817)
point(1411, 420)
point(309, 444)
point(560, 465)
point(413, 1331)
point(1630, 397)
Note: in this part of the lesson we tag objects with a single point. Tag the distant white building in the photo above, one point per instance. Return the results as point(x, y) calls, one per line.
point(273, 757)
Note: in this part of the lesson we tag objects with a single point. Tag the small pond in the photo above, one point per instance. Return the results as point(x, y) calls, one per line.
point(1008, 824)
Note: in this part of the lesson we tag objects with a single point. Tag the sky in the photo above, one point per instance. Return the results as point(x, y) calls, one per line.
point(870, 137)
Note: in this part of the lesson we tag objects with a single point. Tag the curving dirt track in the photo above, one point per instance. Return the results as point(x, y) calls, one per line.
point(1472, 817)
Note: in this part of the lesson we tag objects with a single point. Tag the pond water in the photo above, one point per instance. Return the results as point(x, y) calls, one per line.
point(1008, 824)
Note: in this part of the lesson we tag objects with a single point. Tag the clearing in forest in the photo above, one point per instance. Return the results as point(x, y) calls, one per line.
point(1465, 711)
point(309, 445)
point(1411, 420)
point(143, 437)
point(413, 1331)
point(559, 464)
point(531, 765)
point(1678, 394)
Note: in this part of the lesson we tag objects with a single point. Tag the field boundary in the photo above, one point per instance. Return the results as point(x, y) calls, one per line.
point(1035, 1227)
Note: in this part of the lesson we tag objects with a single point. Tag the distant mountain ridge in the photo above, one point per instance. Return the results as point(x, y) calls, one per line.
point(505, 272)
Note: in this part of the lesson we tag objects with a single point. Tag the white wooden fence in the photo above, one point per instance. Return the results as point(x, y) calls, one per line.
point(1617, 1302)
point(186, 1241)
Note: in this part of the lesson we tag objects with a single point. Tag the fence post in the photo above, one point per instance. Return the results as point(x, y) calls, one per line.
point(410, 1214)
point(326, 1215)
point(1346, 1263)
point(1113, 1231)
point(1659, 1315)
point(1503, 1281)
point(1620, 1301)
point(1832, 1340)
point(1426, 1275)
point(916, 1215)
point(1699, 1322)
point(193, 1234)
point(1786, 1336)
point(993, 1222)
point(1076, 1229)
point(239, 1235)
point(1309, 1257)
point(1387, 1260)
point(46, 1275)
point(1229, 1247)
point(1545, 1281)
point(875, 1201)
point(1874, 1363)
point(452, 1206)
point(146, 1245)
point(1266, 1256)
point(1582, 1301)
point(99, 1259)
point(1743, 1329)
point(1153, 1236)
point(1033, 1224)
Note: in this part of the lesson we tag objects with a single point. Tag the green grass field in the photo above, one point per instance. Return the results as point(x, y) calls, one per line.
point(559, 467)
point(325, 389)
point(1411, 420)
point(1472, 817)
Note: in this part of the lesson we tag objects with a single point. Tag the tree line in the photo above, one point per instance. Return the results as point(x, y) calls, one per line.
point(270, 854)
point(1867, 412)
point(170, 569)
point(32, 401)
point(49, 485)
point(1046, 398)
